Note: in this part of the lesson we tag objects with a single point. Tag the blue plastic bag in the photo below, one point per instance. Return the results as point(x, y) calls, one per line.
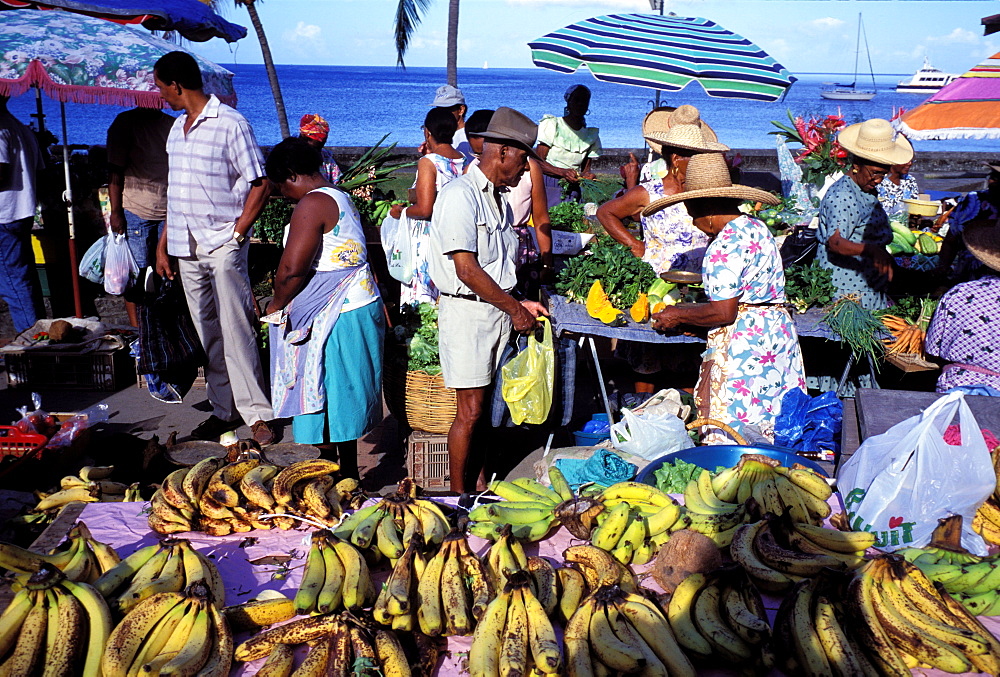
point(809, 423)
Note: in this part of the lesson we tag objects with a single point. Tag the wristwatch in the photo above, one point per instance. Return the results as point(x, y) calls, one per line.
point(239, 237)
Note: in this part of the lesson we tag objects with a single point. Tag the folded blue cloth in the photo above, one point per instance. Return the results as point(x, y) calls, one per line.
point(603, 467)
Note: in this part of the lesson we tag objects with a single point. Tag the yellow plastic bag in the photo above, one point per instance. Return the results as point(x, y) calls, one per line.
point(528, 379)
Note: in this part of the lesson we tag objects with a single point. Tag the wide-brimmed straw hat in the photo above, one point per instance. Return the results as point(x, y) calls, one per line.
point(708, 176)
point(982, 238)
point(877, 141)
point(658, 121)
point(683, 128)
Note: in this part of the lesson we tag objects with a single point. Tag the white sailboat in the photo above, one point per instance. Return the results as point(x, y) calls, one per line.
point(486, 65)
point(850, 92)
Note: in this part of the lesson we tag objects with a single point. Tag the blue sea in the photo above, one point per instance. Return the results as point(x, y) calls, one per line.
point(364, 103)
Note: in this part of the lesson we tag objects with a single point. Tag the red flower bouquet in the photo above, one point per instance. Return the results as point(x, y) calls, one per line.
point(820, 155)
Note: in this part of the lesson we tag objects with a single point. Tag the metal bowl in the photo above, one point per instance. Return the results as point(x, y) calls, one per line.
point(189, 453)
point(681, 277)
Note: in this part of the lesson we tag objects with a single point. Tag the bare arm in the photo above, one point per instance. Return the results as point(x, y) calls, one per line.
point(116, 190)
point(612, 214)
point(522, 313)
point(426, 191)
point(877, 253)
point(585, 169)
point(164, 262)
point(711, 314)
point(551, 170)
point(260, 189)
point(540, 213)
point(305, 235)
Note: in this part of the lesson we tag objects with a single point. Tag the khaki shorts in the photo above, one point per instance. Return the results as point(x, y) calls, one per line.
point(471, 335)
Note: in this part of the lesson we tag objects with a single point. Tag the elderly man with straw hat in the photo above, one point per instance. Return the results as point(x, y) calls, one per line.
point(965, 331)
point(753, 357)
point(853, 226)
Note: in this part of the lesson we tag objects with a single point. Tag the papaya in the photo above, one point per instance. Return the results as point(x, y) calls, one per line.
point(658, 307)
point(600, 308)
point(640, 309)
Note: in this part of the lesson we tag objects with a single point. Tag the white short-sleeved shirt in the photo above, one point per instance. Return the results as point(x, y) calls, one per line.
point(211, 169)
point(19, 149)
point(467, 218)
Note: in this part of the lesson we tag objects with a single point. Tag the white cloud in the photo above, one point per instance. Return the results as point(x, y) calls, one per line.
point(826, 23)
point(305, 40)
point(957, 36)
point(304, 31)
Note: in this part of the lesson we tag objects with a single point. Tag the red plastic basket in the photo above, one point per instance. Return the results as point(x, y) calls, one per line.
point(15, 443)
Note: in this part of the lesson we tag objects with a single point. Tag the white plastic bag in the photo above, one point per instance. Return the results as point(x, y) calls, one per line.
point(92, 263)
point(898, 484)
point(119, 265)
point(397, 242)
point(650, 435)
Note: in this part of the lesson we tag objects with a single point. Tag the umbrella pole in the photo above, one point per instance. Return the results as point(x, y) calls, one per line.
point(68, 198)
point(40, 115)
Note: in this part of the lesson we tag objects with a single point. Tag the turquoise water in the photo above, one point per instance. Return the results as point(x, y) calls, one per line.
point(363, 103)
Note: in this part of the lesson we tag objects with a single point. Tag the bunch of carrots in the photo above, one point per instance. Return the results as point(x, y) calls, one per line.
point(907, 337)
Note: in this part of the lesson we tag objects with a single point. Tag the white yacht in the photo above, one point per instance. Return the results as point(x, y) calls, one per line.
point(926, 80)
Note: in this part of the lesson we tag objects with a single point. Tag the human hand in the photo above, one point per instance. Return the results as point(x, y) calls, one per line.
point(396, 211)
point(423, 149)
point(271, 307)
point(164, 265)
point(883, 262)
point(116, 221)
point(630, 171)
point(571, 175)
point(590, 176)
point(523, 319)
point(668, 318)
point(638, 248)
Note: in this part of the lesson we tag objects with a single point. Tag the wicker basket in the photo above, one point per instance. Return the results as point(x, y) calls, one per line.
point(418, 400)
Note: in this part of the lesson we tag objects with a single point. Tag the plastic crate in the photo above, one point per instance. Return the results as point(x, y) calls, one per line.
point(97, 370)
point(15, 443)
point(427, 460)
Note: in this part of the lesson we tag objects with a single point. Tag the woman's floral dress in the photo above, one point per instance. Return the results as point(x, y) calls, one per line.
point(750, 364)
point(421, 289)
point(672, 241)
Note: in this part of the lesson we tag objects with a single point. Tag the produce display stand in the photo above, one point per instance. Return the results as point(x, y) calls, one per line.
point(238, 557)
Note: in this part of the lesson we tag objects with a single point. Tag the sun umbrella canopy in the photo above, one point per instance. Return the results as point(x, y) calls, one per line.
point(664, 52)
point(192, 19)
point(86, 60)
point(966, 108)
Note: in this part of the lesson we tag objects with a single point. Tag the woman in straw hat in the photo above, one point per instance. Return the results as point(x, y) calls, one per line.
point(853, 226)
point(753, 355)
point(965, 331)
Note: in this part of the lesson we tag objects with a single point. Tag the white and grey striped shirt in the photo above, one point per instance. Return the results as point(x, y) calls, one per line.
point(210, 172)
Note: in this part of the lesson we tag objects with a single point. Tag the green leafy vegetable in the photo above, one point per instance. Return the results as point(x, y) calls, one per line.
point(622, 275)
point(809, 286)
point(857, 327)
point(418, 331)
point(270, 225)
point(568, 216)
point(673, 477)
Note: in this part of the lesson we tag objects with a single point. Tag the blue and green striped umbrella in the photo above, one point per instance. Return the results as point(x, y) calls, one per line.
point(664, 52)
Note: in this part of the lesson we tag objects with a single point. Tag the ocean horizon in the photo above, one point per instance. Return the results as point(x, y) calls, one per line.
point(363, 103)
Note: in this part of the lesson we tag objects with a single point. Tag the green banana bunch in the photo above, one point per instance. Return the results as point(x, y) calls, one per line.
point(80, 558)
point(618, 632)
point(171, 633)
point(53, 626)
point(336, 575)
point(388, 526)
point(902, 621)
point(973, 581)
point(721, 616)
point(453, 590)
point(529, 507)
point(172, 565)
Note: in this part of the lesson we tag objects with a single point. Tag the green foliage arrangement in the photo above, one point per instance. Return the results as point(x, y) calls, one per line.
point(622, 275)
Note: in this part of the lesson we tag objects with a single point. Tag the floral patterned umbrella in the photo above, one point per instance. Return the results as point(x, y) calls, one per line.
point(81, 59)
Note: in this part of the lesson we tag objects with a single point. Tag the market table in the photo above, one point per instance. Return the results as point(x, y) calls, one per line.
point(879, 410)
point(124, 526)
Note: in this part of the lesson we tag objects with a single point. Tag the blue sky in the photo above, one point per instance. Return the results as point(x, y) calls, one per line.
point(804, 35)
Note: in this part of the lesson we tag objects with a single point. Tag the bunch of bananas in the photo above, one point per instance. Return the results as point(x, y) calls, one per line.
point(986, 523)
point(774, 487)
point(776, 555)
point(515, 635)
point(92, 484)
point(395, 605)
point(973, 581)
point(171, 633)
point(336, 575)
point(269, 607)
point(599, 568)
point(720, 617)
point(618, 632)
point(54, 626)
point(637, 520)
point(388, 525)
point(340, 645)
point(169, 566)
point(220, 498)
point(505, 557)
point(529, 507)
point(453, 590)
point(381, 209)
point(80, 558)
point(709, 514)
point(901, 620)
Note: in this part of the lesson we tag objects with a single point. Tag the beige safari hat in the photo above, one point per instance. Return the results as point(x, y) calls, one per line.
point(877, 141)
point(683, 128)
point(708, 176)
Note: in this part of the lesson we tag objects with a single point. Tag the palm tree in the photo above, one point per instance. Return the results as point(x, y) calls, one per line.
point(408, 18)
point(265, 50)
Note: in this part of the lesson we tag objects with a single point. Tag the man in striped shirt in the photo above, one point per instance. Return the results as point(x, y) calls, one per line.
point(215, 191)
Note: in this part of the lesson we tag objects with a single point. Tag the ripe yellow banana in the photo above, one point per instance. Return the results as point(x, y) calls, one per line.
point(285, 480)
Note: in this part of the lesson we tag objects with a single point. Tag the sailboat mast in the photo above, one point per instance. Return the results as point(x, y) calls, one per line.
point(857, 53)
point(868, 52)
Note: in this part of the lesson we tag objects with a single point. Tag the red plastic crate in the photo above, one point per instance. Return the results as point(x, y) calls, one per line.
point(15, 443)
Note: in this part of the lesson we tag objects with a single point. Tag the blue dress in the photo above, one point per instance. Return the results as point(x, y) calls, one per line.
point(860, 218)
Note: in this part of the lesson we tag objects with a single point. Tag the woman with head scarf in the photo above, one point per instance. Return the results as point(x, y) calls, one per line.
point(753, 357)
point(567, 145)
point(315, 130)
point(853, 227)
point(327, 349)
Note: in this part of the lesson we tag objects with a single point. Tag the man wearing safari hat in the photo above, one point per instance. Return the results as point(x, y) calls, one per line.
point(853, 226)
point(472, 262)
point(965, 331)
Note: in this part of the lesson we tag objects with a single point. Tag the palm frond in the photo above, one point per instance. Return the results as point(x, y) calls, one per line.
point(408, 18)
